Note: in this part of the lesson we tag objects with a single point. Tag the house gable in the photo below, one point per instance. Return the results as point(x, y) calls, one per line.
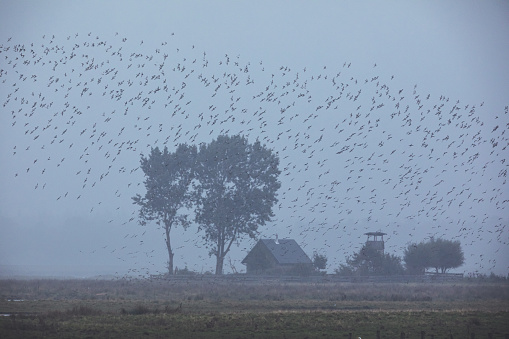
point(259, 258)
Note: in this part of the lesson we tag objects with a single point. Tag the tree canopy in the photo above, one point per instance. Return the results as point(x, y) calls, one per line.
point(231, 184)
point(369, 261)
point(235, 191)
point(319, 261)
point(439, 254)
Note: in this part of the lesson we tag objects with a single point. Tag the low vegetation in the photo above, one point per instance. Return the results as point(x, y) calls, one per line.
point(212, 308)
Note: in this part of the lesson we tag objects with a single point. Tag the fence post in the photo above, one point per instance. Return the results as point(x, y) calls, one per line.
point(349, 335)
point(472, 335)
point(423, 334)
point(377, 334)
point(490, 335)
point(402, 336)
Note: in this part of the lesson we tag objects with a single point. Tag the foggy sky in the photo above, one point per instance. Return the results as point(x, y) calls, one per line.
point(386, 116)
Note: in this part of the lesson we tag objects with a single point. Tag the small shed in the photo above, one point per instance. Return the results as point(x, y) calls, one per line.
point(276, 256)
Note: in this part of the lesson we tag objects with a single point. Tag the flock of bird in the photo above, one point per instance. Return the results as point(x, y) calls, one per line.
point(356, 153)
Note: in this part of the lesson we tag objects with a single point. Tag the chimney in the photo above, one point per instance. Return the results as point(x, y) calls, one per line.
point(277, 240)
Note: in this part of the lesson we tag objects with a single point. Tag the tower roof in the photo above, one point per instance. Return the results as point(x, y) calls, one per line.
point(376, 234)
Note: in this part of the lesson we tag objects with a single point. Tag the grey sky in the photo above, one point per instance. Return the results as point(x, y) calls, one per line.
point(399, 176)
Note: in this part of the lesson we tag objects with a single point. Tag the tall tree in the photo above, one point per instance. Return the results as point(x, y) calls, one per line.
point(167, 180)
point(236, 190)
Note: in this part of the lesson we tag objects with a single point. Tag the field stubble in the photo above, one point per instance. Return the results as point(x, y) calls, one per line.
point(194, 308)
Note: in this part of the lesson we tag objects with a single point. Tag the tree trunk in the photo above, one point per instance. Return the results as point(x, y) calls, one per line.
point(170, 252)
point(221, 253)
point(170, 260)
point(219, 264)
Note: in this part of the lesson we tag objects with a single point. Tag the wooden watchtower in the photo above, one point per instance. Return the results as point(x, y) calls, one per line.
point(376, 241)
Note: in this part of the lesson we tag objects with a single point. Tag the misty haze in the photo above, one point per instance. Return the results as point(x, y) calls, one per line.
point(284, 147)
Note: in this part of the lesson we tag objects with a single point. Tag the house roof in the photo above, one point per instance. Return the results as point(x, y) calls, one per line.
point(286, 251)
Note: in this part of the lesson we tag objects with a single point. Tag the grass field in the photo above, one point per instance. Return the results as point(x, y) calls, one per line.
point(215, 309)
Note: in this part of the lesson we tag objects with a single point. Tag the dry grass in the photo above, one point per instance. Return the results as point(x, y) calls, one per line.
point(162, 308)
point(47, 289)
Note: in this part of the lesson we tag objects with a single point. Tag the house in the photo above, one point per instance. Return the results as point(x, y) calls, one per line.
point(277, 256)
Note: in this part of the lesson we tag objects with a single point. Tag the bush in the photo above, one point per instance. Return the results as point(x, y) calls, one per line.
point(319, 261)
point(185, 271)
point(371, 262)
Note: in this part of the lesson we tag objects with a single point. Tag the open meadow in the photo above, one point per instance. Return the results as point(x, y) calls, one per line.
point(217, 308)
